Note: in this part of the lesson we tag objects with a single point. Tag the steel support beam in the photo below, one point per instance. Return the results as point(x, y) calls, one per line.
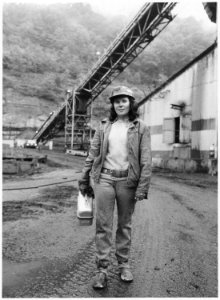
point(150, 21)
point(77, 127)
point(140, 32)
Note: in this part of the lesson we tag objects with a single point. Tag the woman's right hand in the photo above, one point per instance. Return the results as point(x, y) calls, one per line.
point(86, 189)
point(83, 187)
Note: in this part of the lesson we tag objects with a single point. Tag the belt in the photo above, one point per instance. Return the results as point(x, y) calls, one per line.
point(115, 173)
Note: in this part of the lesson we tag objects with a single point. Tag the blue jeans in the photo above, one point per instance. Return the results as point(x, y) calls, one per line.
point(108, 191)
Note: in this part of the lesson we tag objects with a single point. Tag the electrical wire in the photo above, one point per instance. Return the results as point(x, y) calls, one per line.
point(36, 187)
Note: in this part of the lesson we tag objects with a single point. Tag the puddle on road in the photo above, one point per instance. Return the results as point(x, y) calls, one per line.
point(53, 200)
point(14, 274)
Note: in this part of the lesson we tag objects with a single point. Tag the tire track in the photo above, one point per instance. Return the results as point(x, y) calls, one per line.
point(149, 256)
point(165, 258)
point(76, 281)
point(146, 260)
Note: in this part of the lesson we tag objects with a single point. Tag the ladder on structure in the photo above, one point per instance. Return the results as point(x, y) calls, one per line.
point(74, 115)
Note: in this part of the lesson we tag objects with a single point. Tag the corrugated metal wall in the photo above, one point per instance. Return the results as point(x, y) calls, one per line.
point(183, 115)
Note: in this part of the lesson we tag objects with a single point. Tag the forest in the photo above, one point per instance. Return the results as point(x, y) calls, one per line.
point(48, 49)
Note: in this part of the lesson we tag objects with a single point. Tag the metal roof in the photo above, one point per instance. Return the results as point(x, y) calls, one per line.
point(177, 74)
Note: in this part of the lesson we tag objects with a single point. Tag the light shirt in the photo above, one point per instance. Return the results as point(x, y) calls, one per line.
point(117, 155)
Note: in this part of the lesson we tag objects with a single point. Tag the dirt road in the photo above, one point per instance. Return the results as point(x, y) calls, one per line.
point(47, 254)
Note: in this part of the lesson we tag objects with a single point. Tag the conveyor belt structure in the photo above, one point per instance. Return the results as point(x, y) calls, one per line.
point(74, 114)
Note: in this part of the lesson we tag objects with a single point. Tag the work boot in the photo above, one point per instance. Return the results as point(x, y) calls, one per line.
point(125, 274)
point(100, 280)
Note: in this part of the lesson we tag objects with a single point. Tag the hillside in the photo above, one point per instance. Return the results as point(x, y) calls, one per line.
point(49, 49)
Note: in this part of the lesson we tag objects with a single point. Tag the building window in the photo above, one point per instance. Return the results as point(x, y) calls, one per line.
point(177, 130)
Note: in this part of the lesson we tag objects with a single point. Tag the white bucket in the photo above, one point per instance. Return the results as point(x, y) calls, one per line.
point(85, 212)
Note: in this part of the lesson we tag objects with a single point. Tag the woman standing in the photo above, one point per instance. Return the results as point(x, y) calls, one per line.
point(119, 162)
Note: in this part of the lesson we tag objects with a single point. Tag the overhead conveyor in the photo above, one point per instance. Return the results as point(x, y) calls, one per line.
point(74, 114)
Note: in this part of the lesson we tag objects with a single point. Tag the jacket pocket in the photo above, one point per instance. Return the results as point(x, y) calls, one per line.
point(134, 172)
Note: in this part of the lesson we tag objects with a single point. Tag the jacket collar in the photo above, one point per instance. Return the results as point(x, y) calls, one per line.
point(108, 122)
point(134, 123)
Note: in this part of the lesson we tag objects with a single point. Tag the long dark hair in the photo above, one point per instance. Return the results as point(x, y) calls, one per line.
point(132, 114)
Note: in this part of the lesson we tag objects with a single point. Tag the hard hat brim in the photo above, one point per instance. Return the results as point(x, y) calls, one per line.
point(115, 96)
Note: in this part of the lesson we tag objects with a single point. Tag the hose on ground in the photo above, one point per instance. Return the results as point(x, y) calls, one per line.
point(35, 187)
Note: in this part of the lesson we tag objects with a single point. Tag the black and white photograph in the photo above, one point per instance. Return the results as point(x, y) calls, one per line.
point(109, 149)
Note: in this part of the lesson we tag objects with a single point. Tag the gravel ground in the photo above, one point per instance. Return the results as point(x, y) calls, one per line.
point(47, 254)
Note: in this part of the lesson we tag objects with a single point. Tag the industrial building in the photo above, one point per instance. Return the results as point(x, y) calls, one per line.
point(182, 115)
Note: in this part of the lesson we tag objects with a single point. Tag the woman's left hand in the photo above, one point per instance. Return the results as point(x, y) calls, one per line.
point(139, 198)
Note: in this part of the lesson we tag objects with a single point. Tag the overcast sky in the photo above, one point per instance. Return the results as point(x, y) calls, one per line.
point(129, 7)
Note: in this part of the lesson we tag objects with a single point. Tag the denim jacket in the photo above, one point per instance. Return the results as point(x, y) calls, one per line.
point(139, 156)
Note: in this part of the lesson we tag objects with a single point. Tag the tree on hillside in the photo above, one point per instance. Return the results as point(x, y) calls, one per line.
point(56, 45)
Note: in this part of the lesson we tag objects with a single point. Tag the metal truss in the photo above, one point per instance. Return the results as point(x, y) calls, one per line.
point(77, 129)
point(140, 32)
point(53, 124)
point(69, 117)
